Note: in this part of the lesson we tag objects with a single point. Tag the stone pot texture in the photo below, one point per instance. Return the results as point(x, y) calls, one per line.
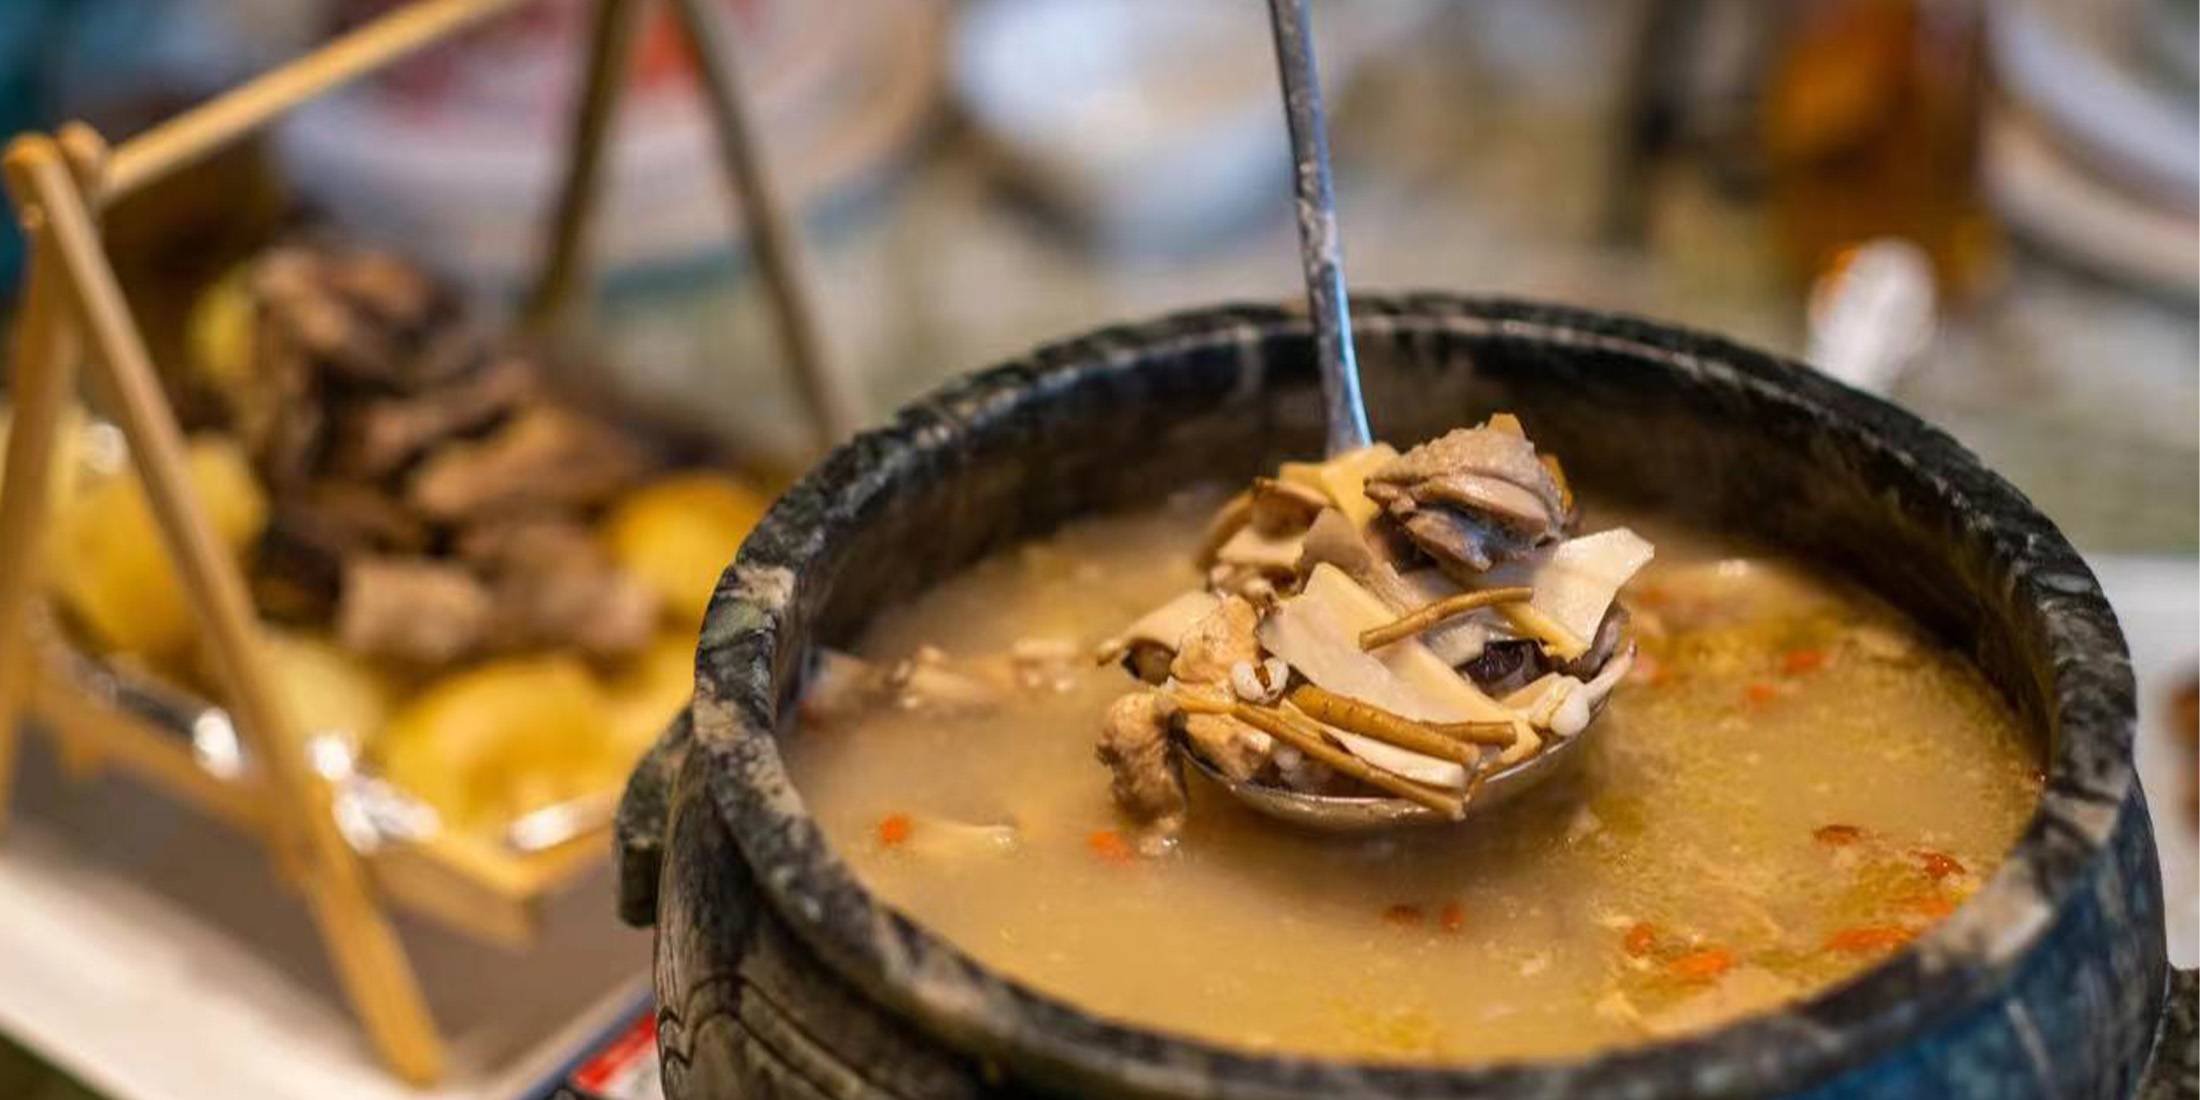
point(778, 975)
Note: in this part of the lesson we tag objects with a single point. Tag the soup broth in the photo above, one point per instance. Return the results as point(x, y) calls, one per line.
point(1792, 783)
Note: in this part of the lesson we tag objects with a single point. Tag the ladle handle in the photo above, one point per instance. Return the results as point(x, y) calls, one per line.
point(1319, 250)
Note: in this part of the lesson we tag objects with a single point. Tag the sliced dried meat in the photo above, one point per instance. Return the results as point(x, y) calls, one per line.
point(544, 458)
point(419, 612)
point(377, 436)
point(553, 584)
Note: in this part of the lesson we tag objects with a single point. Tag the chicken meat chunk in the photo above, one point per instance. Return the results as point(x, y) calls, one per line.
point(1134, 745)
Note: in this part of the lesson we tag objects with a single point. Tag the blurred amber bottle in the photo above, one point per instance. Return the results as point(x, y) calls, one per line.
point(1871, 128)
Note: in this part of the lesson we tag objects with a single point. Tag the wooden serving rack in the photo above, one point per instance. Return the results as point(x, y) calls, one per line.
point(73, 309)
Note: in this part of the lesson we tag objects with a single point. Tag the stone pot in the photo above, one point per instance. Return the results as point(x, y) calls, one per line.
point(778, 975)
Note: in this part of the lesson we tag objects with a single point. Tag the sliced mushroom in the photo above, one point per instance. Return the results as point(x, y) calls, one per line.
point(1473, 497)
point(1148, 645)
point(1270, 555)
point(1284, 507)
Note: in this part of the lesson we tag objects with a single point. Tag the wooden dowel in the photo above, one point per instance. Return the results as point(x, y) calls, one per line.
point(1498, 731)
point(87, 152)
point(38, 389)
point(834, 410)
point(199, 133)
point(1558, 641)
point(610, 46)
point(368, 959)
point(1276, 724)
point(1368, 720)
point(88, 157)
point(1430, 615)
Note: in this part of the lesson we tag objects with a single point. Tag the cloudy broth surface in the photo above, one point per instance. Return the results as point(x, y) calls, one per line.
point(1793, 783)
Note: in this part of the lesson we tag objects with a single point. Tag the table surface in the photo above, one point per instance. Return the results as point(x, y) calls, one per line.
point(151, 953)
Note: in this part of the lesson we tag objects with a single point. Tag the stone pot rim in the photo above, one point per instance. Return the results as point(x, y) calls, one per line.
point(761, 599)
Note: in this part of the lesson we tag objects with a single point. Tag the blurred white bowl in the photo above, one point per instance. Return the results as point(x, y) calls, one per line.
point(1146, 122)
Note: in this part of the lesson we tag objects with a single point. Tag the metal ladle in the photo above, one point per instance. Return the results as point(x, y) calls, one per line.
point(1322, 257)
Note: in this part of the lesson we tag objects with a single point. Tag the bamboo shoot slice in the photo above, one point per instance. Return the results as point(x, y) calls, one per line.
point(1576, 581)
point(1343, 479)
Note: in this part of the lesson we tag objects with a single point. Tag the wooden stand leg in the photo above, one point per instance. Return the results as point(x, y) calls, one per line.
point(39, 388)
point(834, 411)
point(86, 153)
point(610, 45)
point(363, 946)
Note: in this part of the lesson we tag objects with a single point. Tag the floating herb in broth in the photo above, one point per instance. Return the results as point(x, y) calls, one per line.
point(1791, 783)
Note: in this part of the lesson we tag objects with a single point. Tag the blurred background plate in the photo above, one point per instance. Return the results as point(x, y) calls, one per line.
point(453, 157)
point(2050, 198)
point(2095, 71)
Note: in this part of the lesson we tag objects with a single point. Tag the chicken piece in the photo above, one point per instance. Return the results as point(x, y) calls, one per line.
point(1134, 745)
point(1473, 497)
point(840, 688)
point(947, 840)
point(420, 612)
point(544, 458)
point(1219, 639)
point(1048, 664)
point(926, 681)
point(1237, 750)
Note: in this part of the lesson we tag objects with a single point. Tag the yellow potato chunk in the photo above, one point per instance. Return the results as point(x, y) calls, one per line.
point(1343, 479)
point(678, 533)
point(650, 691)
point(219, 330)
point(488, 744)
point(111, 569)
point(327, 689)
